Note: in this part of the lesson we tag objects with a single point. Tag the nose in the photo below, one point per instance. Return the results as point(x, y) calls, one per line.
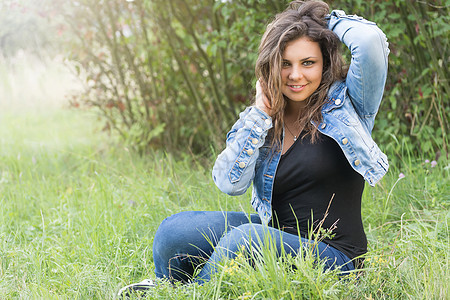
point(295, 73)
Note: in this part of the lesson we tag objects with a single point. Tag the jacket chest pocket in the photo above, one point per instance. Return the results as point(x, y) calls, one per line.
point(351, 129)
point(345, 117)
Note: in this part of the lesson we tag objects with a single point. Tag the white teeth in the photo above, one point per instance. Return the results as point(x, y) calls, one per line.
point(296, 86)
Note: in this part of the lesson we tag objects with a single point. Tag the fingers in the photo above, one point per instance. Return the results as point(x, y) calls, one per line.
point(258, 88)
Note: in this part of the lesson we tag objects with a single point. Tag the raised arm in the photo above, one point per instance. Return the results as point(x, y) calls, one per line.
point(368, 68)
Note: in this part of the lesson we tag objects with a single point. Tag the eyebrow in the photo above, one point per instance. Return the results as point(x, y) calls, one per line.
point(303, 59)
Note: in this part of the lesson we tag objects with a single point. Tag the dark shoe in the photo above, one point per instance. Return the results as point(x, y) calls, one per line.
point(136, 289)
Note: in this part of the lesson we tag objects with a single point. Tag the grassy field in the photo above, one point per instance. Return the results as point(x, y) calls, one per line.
point(78, 213)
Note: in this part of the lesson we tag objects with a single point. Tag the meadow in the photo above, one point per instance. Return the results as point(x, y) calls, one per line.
point(78, 211)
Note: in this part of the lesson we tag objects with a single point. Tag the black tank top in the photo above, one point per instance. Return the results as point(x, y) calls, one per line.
point(308, 177)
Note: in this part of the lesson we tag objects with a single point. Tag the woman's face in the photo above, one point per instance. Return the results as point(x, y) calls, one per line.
point(301, 71)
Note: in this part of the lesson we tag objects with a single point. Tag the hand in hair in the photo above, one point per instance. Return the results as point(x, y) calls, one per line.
point(261, 100)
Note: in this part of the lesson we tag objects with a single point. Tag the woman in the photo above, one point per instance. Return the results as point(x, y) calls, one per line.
point(305, 145)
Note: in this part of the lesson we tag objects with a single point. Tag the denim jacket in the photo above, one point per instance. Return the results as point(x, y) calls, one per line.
point(348, 118)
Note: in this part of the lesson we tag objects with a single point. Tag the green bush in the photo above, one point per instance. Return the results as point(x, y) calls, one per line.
point(175, 74)
point(171, 74)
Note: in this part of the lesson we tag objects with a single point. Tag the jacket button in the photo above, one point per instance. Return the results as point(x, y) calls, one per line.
point(267, 121)
point(337, 101)
point(249, 151)
point(258, 129)
point(255, 141)
point(323, 125)
point(242, 165)
point(357, 162)
point(344, 141)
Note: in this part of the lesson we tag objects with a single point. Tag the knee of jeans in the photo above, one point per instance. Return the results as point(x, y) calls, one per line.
point(239, 236)
point(166, 234)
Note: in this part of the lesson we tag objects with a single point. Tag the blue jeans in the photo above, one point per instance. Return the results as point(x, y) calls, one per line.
point(187, 240)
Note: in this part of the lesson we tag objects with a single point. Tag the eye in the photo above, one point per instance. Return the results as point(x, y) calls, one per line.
point(285, 64)
point(308, 63)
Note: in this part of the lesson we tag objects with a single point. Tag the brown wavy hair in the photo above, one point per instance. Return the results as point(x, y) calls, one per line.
point(300, 19)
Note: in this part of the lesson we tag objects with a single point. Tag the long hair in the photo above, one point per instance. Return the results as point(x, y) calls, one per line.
point(300, 19)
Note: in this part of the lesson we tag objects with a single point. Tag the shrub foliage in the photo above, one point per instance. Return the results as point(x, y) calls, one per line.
point(175, 74)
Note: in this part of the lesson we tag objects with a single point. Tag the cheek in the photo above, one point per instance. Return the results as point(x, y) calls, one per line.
point(319, 76)
point(284, 75)
point(316, 75)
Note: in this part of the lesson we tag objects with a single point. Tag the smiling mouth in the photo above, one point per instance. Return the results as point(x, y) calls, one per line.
point(296, 88)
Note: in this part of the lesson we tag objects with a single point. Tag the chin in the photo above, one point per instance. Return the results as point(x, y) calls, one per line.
point(295, 98)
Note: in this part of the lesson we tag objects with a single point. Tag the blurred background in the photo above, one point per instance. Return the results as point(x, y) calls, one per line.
point(174, 75)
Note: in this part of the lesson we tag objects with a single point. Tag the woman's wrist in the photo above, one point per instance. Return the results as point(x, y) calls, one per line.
point(262, 108)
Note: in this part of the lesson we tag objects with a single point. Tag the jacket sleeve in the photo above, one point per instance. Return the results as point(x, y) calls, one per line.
point(234, 168)
point(368, 68)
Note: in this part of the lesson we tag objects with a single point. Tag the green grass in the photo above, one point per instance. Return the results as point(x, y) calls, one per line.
point(78, 215)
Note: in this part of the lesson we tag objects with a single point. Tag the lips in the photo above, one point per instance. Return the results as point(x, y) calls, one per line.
point(296, 88)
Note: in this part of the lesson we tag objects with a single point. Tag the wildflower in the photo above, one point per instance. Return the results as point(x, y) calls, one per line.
point(240, 255)
point(351, 276)
point(401, 175)
point(231, 268)
point(433, 163)
point(245, 295)
point(427, 161)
